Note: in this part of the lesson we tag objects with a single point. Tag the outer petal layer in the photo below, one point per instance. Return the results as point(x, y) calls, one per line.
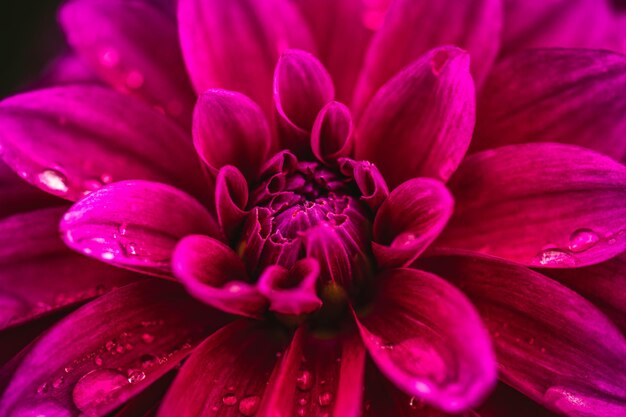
point(235, 44)
point(412, 27)
point(426, 337)
point(71, 140)
point(555, 95)
point(420, 123)
point(134, 47)
point(572, 204)
point(552, 345)
point(135, 225)
point(108, 351)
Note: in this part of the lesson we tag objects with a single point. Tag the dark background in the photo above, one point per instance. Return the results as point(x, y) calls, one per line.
point(29, 39)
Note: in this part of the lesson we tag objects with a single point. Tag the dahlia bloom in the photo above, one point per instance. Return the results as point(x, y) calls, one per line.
point(318, 208)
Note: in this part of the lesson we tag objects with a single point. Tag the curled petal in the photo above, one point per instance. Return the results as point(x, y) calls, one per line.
point(325, 244)
point(412, 27)
point(134, 47)
point(111, 136)
point(573, 200)
point(39, 273)
point(135, 225)
point(230, 129)
point(419, 124)
point(426, 337)
point(332, 134)
point(229, 370)
point(409, 220)
point(213, 273)
point(236, 44)
point(108, 351)
point(555, 95)
point(292, 291)
point(371, 183)
point(231, 199)
point(552, 344)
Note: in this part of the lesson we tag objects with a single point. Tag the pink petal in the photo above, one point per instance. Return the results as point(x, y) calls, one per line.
point(412, 28)
point(332, 133)
point(602, 284)
point(231, 199)
point(293, 291)
point(426, 337)
point(341, 31)
point(419, 124)
point(108, 351)
point(555, 95)
point(552, 345)
point(134, 47)
point(18, 196)
point(135, 225)
point(112, 137)
point(409, 220)
point(66, 69)
point(318, 377)
point(230, 129)
point(540, 204)
point(559, 23)
point(236, 44)
point(368, 179)
point(227, 373)
point(213, 273)
point(40, 275)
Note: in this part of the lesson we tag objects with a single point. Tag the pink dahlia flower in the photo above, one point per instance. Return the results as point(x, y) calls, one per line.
point(342, 217)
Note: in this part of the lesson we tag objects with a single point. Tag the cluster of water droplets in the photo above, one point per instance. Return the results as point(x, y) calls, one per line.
point(580, 241)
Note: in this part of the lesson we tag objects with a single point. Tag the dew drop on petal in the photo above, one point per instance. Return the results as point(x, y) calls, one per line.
point(53, 180)
point(249, 405)
point(135, 376)
point(304, 381)
point(554, 257)
point(109, 57)
point(97, 387)
point(229, 399)
point(43, 388)
point(416, 403)
point(147, 338)
point(57, 382)
point(583, 239)
point(98, 361)
point(325, 399)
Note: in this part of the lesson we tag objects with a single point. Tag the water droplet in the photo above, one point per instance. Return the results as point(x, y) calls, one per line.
point(109, 57)
point(303, 401)
point(134, 80)
point(301, 412)
point(98, 361)
point(554, 257)
point(416, 403)
point(249, 405)
point(53, 180)
point(229, 399)
point(325, 398)
point(97, 387)
point(57, 382)
point(583, 239)
point(43, 388)
point(135, 376)
point(148, 360)
point(147, 338)
point(68, 369)
point(107, 255)
point(122, 229)
point(304, 382)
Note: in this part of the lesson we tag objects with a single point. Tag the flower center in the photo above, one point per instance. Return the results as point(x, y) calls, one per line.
point(303, 210)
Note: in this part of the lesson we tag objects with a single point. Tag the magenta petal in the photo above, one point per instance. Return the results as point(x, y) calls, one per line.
point(40, 275)
point(412, 28)
point(213, 273)
point(228, 372)
point(551, 344)
point(231, 199)
point(419, 124)
point(602, 284)
point(135, 225)
point(293, 291)
point(112, 137)
point(67, 69)
point(236, 44)
point(555, 95)
point(426, 337)
point(409, 220)
point(368, 179)
point(230, 129)
point(332, 133)
point(108, 351)
point(318, 377)
point(134, 47)
point(573, 202)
